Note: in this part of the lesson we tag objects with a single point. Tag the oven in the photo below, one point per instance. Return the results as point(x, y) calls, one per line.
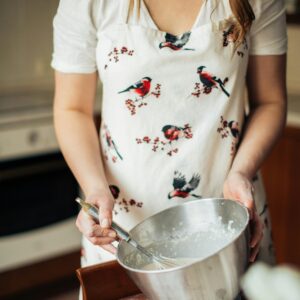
point(38, 211)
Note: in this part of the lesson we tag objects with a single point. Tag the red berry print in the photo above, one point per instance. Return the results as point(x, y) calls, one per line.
point(110, 148)
point(156, 91)
point(230, 129)
point(122, 204)
point(132, 202)
point(114, 55)
point(140, 91)
point(230, 36)
point(147, 139)
point(171, 134)
point(197, 90)
point(131, 106)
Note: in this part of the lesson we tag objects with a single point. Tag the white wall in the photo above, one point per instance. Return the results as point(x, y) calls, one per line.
point(26, 44)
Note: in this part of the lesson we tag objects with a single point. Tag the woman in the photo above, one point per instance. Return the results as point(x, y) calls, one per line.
point(173, 114)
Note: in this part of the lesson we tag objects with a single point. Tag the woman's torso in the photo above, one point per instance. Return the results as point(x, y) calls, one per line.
point(173, 137)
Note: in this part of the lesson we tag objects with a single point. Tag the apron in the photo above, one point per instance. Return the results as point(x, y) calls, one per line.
point(172, 115)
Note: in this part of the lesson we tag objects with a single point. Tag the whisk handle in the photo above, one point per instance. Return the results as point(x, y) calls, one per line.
point(122, 233)
point(93, 212)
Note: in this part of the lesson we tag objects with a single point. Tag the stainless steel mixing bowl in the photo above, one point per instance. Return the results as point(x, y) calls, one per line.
point(195, 229)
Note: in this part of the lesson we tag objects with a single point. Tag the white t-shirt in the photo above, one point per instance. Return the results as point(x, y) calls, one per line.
point(77, 25)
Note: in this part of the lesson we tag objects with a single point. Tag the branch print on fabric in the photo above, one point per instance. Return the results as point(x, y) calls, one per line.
point(140, 90)
point(182, 188)
point(114, 56)
point(110, 148)
point(265, 213)
point(172, 134)
point(230, 129)
point(174, 42)
point(122, 204)
point(208, 82)
point(229, 36)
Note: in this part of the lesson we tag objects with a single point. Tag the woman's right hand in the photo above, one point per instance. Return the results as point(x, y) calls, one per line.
point(99, 233)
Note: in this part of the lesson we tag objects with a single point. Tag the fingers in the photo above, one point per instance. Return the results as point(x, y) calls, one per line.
point(248, 200)
point(110, 248)
point(93, 231)
point(100, 241)
point(253, 253)
point(84, 223)
point(105, 204)
point(105, 213)
point(99, 233)
point(239, 187)
point(256, 227)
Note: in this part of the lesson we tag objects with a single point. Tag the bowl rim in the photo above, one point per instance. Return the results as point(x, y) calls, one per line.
point(196, 260)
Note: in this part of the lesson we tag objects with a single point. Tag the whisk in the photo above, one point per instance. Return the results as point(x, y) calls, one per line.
point(161, 261)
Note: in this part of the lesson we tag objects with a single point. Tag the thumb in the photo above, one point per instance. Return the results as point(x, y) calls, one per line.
point(248, 200)
point(105, 212)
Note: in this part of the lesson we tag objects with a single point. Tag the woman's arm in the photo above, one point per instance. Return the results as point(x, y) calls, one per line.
point(77, 136)
point(266, 82)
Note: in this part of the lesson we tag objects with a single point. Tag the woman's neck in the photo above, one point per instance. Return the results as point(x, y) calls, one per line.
point(174, 16)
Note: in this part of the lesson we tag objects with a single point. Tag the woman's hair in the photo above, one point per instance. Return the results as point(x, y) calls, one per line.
point(244, 15)
point(242, 11)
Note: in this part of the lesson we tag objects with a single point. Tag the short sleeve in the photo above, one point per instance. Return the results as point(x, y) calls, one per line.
point(268, 34)
point(74, 37)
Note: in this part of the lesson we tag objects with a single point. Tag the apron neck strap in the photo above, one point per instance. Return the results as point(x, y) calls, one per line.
point(129, 11)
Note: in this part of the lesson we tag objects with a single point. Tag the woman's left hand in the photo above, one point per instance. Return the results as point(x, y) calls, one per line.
point(238, 187)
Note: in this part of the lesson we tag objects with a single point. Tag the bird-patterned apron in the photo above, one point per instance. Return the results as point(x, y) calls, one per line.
point(172, 115)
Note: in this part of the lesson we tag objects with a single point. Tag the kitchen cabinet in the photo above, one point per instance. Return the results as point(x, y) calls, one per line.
point(281, 173)
point(42, 279)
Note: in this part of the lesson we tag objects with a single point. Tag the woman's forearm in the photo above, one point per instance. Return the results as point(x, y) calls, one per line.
point(263, 128)
point(79, 143)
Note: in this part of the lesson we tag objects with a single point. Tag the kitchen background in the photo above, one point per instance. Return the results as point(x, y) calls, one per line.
point(39, 244)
